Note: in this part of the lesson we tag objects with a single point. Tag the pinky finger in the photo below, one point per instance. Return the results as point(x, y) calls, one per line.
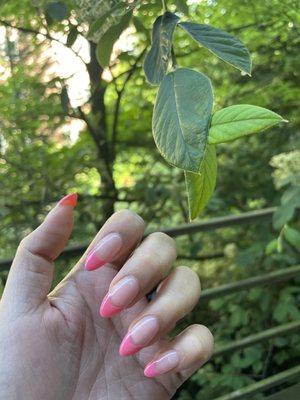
point(184, 354)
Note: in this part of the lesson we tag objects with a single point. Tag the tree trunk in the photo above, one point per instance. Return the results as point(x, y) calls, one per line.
point(101, 137)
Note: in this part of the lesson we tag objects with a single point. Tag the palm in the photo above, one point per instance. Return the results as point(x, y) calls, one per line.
point(101, 373)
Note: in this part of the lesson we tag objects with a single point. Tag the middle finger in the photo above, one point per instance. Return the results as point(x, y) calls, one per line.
point(147, 266)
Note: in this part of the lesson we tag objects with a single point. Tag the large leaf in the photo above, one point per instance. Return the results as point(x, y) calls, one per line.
point(233, 122)
point(292, 236)
point(107, 41)
point(57, 10)
point(201, 186)
point(181, 118)
point(157, 60)
point(222, 44)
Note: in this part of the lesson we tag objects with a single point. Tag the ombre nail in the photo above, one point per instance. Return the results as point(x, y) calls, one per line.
point(139, 336)
point(119, 296)
point(165, 363)
point(69, 200)
point(105, 251)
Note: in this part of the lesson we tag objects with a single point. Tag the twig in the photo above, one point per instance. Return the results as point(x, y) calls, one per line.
point(45, 35)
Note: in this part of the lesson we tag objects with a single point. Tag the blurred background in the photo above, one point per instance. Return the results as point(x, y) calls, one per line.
point(68, 125)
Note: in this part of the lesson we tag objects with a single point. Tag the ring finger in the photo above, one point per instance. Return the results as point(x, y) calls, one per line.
point(177, 296)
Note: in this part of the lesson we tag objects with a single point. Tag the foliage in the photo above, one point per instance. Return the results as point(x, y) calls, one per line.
point(183, 108)
point(41, 159)
point(286, 175)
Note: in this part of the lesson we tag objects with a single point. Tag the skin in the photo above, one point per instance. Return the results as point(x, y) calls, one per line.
point(55, 345)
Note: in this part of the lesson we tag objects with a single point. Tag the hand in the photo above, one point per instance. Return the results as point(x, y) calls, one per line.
point(56, 345)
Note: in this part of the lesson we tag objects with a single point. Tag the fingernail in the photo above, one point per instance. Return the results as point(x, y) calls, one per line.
point(120, 296)
point(105, 251)
point(163, 364)
point(139, 336)
point(69, 200)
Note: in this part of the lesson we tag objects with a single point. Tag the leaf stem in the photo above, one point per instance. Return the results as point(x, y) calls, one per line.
point(174, 60)
point(164, 4)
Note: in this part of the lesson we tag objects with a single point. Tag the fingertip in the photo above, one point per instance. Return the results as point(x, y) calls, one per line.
point(107, 309)
point(150, 371)
point(93, 262)
point(128, 348)
point(69, 200)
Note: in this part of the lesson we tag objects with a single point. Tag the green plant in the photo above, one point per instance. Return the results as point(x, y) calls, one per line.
point(286, 175)
point(185, 128)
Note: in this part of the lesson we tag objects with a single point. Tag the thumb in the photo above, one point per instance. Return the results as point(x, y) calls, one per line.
point(31, 274)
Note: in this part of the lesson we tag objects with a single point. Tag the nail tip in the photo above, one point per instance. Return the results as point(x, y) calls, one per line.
point(127, 348)
point(69, 200)
point(150, 371)
point(107, 309)
point(93, 263)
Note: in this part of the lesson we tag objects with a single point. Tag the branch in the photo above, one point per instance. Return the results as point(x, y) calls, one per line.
point(99, 143)
point(119, 98)
point(31, 31)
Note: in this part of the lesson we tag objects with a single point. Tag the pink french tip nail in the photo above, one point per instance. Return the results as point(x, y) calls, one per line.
point(139, 336)
point(93, 262)
point(120, 295)
point(150, 371)
point(128, 348)
point(107, 309)
point(69, 200)
point(165, 363)
point(105, 251)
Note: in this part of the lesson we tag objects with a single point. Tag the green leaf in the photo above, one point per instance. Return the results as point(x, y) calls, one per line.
point(292, 236)
point(201, 186)
point(291, 196)
point(139, 26)
point(57, 11)
point(181, 117)
point(72, 36)
point(109, 15)
point(282, 215)
point(271, 247)
point(107, 41)
point(182, 6)
point(233, 122)
point(106, 18)
point(157, 60)
point(222, 44)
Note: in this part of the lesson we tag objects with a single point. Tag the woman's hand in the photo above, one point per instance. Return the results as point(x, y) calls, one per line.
point(56, 345)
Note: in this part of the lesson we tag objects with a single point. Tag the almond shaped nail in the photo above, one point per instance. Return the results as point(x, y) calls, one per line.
point(107, 309)
point(165, 363)
point(69, 200)
point(139, 336)
point(105, 251)
point(119, 296)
